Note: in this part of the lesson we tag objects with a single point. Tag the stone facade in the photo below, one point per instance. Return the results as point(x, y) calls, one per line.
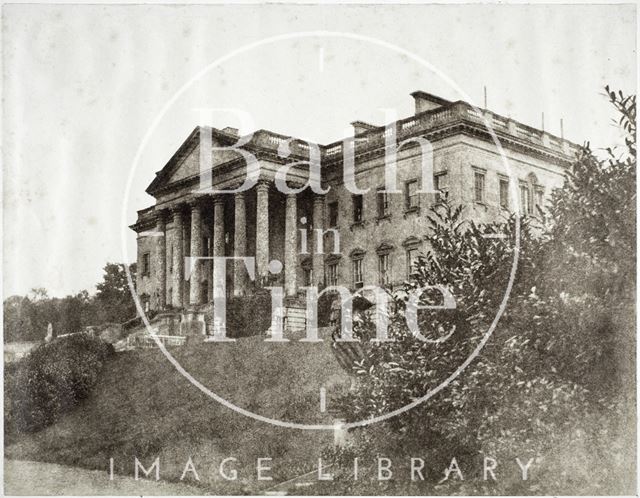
point(379, 235)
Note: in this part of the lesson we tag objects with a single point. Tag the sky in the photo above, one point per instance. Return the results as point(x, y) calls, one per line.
point(83, 85)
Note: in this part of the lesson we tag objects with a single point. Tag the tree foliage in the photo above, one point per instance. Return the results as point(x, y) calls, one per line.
point(26, 318)
point(562, 353)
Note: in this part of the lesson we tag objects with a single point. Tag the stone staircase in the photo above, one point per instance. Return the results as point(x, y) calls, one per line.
point(295, 319)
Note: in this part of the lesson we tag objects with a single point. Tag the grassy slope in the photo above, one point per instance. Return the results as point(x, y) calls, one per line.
point(143, 407)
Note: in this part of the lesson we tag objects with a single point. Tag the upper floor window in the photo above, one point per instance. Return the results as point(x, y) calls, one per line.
point(146, 264)
point(412, 199)
point(383, 203)
point(333, 214)
point(357, 208)
point(478, 186)
point(441, 185)
point(504, 193)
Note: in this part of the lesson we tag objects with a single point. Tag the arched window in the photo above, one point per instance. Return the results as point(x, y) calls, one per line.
point(531, 195)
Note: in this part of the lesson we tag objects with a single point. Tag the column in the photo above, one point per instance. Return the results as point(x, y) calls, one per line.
point(178, 258)
point(239, 245)
point(161, 229)
point(290, 246)
point(317, 258)
point(195, 294)
point(262, 229)
point(218, 226)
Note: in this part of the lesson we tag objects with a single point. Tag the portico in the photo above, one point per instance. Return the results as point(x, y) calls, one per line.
point(260, 222)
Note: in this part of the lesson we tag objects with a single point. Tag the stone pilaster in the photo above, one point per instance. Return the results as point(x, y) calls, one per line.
point(161, 229)
point(262, 229)
point(239, 244)
point(195, 293)
point(178, 257)
point(318, 224)
point(290, 246)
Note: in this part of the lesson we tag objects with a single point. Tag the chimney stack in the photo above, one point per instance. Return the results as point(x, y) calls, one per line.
point(427, 102)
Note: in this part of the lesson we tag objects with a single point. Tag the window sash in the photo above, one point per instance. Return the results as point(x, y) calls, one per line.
point(413, 200)
point(478, 186)
point(332, 274)
point(504, 194)
point(383, 268)
point(383, 203)
point(357, 208)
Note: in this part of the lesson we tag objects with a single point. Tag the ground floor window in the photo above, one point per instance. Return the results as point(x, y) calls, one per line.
point(383, 269)
point(332, 274)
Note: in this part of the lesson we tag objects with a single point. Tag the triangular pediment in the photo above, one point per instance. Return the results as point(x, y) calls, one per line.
point(185, 162)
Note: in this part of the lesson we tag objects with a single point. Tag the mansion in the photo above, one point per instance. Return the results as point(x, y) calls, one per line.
point(370, 238)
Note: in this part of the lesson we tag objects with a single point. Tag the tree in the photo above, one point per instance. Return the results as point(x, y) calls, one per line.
point(114, 302)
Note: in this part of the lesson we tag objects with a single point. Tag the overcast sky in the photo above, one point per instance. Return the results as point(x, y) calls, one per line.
point(83, 84)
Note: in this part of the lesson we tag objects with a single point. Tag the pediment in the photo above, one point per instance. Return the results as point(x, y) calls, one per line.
point(185, 162)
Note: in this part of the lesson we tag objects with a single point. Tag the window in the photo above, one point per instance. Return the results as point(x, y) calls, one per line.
point(539, 199)
point(383, 269)
point(358, 281)
point(147, 304)
point(332, 274)
point(441, 185)
point(206, 246)
point(525, 200)
point(412, 257)
point(170, 262)
point(307, 276)
point(333, 214)
point(204, 290)
point(357, 208)
point(146, 264)
point(411, 194)
point(478, 187)
point(504, 193)
point(383, 203)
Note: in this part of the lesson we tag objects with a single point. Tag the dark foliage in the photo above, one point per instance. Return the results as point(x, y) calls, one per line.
point(51, 381)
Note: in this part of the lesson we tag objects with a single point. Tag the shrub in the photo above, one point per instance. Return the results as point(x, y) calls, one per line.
point(248, 315)
point(51, 381)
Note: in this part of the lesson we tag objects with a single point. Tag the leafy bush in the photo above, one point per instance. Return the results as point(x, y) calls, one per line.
point(248, 315)
point(560, 362)
point(51, 381)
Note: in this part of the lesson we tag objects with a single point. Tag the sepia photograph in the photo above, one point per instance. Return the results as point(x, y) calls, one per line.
point(357, 249)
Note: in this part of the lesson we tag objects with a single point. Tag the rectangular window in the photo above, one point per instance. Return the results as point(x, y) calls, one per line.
point(332, 274)
point(412, 255)
point(357, 208)
point(411, 194)
point(525, 200)
point(383, 203)
point(307, 276)
point(383, 269)
point(170, 262)
point(206, 246)
point(146, 264)
point(333, 214)
point(357, 274)
point(478, 187)
point(504, 193)
point(441, 185)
